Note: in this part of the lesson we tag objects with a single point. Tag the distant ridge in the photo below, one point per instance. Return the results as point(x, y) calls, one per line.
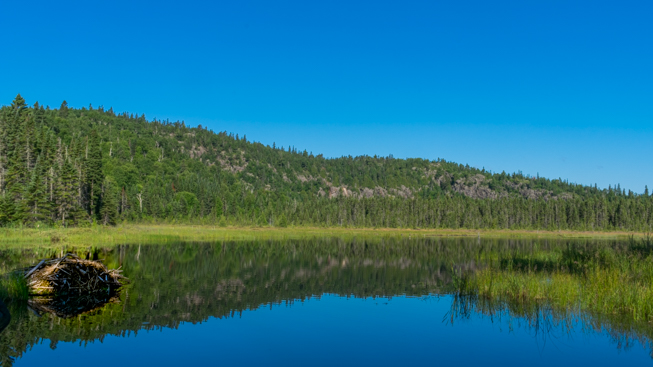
point(72, 166)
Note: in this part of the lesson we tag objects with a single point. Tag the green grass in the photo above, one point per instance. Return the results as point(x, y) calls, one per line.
point(13, 288)
point(600, 280)
point(151, 234)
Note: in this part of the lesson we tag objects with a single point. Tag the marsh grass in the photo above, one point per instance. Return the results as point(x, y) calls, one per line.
point(17, 237)
point(600, 279)
point(13, 288)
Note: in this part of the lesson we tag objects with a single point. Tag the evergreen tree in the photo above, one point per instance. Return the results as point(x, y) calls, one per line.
point(283, 221)
point(217, 209)
point(36, 196)
point(63, 109)
point(67, 193)
point(14, 120)
point(15, 203)
point(94, 174)
point(109, 208)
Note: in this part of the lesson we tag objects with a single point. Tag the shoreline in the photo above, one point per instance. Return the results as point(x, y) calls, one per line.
point(156, 233)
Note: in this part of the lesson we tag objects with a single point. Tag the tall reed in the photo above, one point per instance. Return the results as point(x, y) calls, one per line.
point(604, 280)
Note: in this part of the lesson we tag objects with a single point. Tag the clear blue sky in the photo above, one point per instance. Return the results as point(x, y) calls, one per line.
point(559, 88)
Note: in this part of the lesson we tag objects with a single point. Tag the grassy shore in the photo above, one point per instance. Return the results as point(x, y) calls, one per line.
point(138, 233)
point(13, 288)
point(599, 279)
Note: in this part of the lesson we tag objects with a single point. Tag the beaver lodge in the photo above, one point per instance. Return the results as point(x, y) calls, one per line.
point(71, 274)
point(71, 285)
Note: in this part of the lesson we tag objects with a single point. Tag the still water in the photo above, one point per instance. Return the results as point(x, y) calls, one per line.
point(318, 302)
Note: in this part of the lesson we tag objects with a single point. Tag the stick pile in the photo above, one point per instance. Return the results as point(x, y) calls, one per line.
point(71, 274)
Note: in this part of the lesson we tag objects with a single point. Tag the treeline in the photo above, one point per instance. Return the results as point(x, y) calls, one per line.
point(73, 167)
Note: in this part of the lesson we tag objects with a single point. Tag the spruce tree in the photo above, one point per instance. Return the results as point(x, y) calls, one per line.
point(63, 109)
point(16, 182)
point(217, 209)
point(13, 132)
point(109, 208)
point(283, 221)
point(66, 194)
point(36, 196)
point(94, 174)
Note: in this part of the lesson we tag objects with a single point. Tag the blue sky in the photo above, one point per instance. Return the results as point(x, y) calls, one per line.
point(559, 88)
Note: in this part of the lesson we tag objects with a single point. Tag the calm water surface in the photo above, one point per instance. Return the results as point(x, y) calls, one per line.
point(318, 302)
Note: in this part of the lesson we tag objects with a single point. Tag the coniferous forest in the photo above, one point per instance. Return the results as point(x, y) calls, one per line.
point(75, 167)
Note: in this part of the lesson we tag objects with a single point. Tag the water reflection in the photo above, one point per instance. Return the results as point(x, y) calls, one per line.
point(67, 306)
point(5, 317)
point(184, 282)
point(547, 325)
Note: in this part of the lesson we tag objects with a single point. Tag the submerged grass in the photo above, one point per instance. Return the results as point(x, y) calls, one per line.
point(601, 280)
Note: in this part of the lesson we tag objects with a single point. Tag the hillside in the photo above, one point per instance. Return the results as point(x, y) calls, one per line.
point(72, 166)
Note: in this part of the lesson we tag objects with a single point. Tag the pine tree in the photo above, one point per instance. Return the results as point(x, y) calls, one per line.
point(283, 221)
point(94, 174)
point(217, 209)
point(109, 208)
point(17, 113)
point(63, 109)
point(13, 166)
point(36, 196)
point(66, 194)
point(16, 181)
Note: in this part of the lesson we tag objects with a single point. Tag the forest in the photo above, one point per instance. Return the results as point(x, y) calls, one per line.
point(90, 166)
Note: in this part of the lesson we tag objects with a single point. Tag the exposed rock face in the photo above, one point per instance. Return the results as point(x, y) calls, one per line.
point(475, 186)
point(197, 151)
point(476, 190)
point(333, 192)
point(305, 178)
point(232, 164)
point(380, 191)
point(402, 192)
point(366, 193)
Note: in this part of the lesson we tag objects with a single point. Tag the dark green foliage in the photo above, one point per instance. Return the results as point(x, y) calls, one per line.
point(36, 197)
point(187, 202)
point(94, 173)
point(54, 164)
point(283, 221)
point(109, 207)
point(67, 192)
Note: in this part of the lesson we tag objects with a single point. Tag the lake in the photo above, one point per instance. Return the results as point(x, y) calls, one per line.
point(330, 301)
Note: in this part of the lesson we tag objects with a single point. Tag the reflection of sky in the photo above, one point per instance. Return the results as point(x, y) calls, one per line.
point(339, 331)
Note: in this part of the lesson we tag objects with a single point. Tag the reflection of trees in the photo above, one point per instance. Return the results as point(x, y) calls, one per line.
point(190, 282)
point(550, 325)
point(5, 316)
point(71, 305)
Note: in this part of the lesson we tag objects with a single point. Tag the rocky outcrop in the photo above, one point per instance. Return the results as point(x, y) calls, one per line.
point(233, 164)
point(473, 187)
point(402, 192)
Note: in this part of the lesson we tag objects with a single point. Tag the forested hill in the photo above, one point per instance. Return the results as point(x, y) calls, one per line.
point(70, 166)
